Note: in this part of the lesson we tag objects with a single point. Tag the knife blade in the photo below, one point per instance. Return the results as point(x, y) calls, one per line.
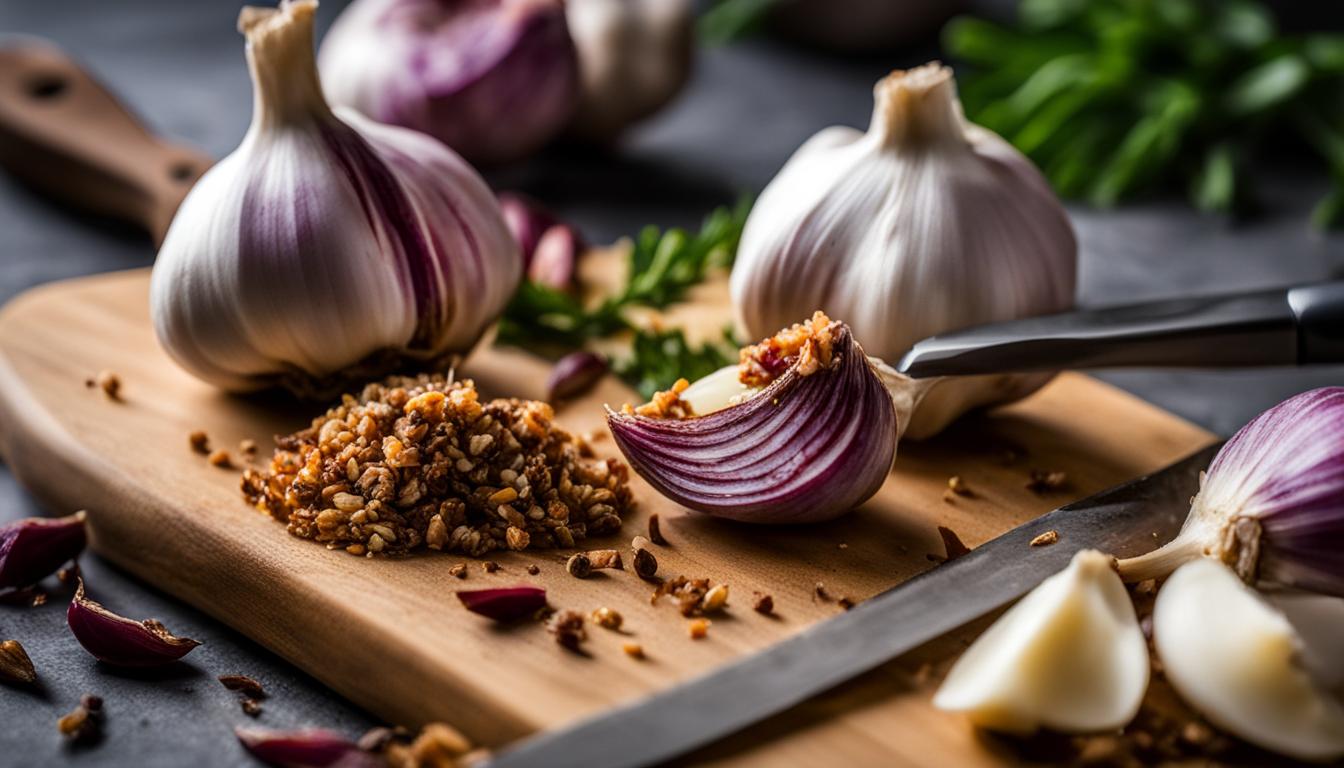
point(1126, 520)
point(1293, 326)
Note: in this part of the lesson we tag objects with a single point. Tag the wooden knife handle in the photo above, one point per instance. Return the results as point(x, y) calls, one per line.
point(64, 134)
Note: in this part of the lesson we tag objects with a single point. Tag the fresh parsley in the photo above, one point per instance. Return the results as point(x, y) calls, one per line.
point(1117, 98)
point(663, 265)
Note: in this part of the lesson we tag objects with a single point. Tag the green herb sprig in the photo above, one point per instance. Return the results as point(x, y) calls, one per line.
point(1117, 98)
point(663, 266)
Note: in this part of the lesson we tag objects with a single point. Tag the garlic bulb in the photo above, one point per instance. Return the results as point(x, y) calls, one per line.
point(1239, 661)
point(326, 245)
point(1069, 656)
point(634, 57)
point(493, 79)
point(1272, 502)
point(921, 225)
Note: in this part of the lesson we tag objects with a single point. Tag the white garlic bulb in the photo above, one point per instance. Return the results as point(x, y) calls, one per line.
point(923, 224)
point(326, 244)
point(1069, 656)
point(1241, 663)
point(634, 57)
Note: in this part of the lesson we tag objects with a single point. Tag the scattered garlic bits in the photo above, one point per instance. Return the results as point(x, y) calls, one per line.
point(666, 404)
point(421, 462)
point(808, 342)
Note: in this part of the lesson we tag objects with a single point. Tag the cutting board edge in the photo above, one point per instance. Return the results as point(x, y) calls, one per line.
point(64, 476)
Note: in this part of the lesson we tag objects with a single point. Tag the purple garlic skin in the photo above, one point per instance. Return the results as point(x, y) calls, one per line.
point(574, 374)
point(804, 449)
point(505, 603)
point(308, 748)
point(528, 220)
point(33, 548)
point(493, 79)
point(119, 641)
point(551, 248)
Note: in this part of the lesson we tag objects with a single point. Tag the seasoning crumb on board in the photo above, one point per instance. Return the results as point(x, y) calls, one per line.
point(693, 596)
point(84, 722)
point(633, 650)
point(958, 486)
point(425, 460)
point(220, 458)
point(567, 629)
point(489, 566)
point(608, 619)
point(15, 665)
point(251, 707)
point(846, 602)
point(698, 628)
point(110, 383)
point(459, 570)
point(762, 603)
point(602, 559)
point(199, 441)
point(953, 547)
point(819, 593)
point(39, 599)
point(578, 565)
point(247, 446)
point(656, 531)
point(646, 565)
point(1045, 539)
point(1044, 481)
point(244, 685)
point(532, 569)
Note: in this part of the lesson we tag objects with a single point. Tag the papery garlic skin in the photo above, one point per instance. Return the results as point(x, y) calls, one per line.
point(1272, 502)
point(1069, 657)
point(923, 224)
point(326, 244)
point(634, 57)
point(1238, 661)
point(493, 79)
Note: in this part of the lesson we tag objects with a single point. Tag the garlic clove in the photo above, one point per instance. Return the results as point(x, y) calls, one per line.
point(574, 374)
point(1319, 621)
point(811, 445)
point(1237, 660)
point(1069, 656)
point(119, 641)
point(717, 391)
point(307, 748)
point(33, 548)
point(504, 604)
point(1272, 502)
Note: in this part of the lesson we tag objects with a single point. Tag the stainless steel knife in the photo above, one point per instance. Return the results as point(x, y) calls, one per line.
point(1282, 326)
point(1125, 520)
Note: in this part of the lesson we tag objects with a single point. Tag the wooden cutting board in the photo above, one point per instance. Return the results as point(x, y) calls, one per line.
point(390, 635)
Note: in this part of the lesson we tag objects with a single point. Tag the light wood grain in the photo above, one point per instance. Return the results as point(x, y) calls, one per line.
point(389, 634)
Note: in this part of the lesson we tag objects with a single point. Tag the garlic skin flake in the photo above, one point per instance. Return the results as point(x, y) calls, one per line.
point(1240, 662)
point(923, 224)
point(1069, 656)
point(326, 245)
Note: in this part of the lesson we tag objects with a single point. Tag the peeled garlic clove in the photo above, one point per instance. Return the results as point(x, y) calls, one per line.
point(924, 224)
point(1069, 657)
point(814, 443)
point(1272, 502)
point(634, 57)
point(493, 79)
point(122, 642)
point(33, 548)
point(1238, 661)
point(326, 247)
point(717, 391)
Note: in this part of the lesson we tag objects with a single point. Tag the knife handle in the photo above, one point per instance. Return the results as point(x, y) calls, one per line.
point(1320, 322)
point(64, 134)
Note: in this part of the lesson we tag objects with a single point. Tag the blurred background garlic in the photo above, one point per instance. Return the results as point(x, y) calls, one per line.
point(326, 243)
point(923, 224)
point(493, 79)
point(1069, 656)
point(634, 57)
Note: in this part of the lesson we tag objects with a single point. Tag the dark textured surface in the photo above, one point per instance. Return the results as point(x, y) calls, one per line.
point(180, 65)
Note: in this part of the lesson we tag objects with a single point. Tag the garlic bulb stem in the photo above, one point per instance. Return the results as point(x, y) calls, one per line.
point(280, 57)
point(917, 109)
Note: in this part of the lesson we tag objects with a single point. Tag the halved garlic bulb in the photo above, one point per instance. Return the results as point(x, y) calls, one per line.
point(1069, 657)
point(1239, 661)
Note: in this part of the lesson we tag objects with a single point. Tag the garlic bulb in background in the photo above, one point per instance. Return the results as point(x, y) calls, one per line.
point(634, 57)
point(493, 79)
point(1240, 662)
point(924, 224)
point(1069, 656)
point(326, 245)
point(1272, 503)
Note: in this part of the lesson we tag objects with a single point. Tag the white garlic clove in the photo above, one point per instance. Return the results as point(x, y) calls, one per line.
point(1069, 657)
point(1239, 661)
point(717, 391)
